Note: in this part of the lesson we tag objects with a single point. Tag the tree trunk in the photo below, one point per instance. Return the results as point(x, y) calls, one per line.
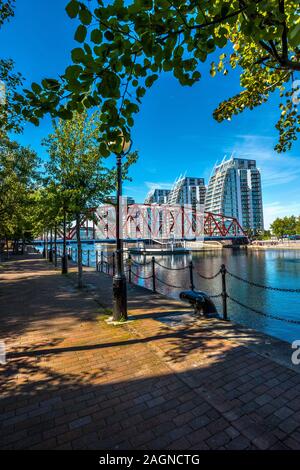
point(7, 248)
point(50, 257)
point(44, 247)
point(46, 244)
point(23, 244)
point(79, 251)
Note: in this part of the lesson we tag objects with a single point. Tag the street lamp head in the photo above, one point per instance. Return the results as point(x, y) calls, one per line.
point(122, 145)
point(126, 145)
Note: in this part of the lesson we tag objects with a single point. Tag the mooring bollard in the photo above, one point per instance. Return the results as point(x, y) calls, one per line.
point(191, 269)
point(224, 292)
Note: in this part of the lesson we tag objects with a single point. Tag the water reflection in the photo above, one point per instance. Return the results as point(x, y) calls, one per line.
point(277, 268)
point(271, 268)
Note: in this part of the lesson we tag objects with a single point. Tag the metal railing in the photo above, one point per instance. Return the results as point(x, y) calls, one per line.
point(106, 263)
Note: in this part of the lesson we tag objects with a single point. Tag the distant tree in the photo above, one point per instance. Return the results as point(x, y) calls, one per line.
point(298, 225)
point(48, 213)
point(125, 46)
point(78, 171)
point(284, 226)
point(19, 180)
point(263, 235)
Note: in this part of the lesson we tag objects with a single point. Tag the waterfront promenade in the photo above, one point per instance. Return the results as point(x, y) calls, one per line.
point(164, 380)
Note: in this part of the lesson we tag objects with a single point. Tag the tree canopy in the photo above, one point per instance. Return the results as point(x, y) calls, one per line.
point(125, 46)
point(79, 179)
point(76, 170)
point(10, 110)
point(286, 226)
point(19, 179)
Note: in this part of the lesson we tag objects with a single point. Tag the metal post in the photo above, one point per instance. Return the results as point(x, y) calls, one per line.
point(129, 270)
point(224, 292)
point(88, 258)
point(153, 275)
point(44, 248)
point(50, 255)
point(46, 245)
point(119, 281)
point(191, 268)
point(96, 260)
point(102, 261)
point(114, 263)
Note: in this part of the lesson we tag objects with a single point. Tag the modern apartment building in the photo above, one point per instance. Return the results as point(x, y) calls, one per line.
point(187, 190)
point(234, 190)
point(157, 196)
point(126, 200)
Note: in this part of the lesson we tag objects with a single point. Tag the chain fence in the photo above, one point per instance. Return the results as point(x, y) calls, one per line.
point(261, 286)
point(107, 263)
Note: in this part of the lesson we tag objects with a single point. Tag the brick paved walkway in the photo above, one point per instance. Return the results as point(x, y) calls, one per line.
point(73, 381)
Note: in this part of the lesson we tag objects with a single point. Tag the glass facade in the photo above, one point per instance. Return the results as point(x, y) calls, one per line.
point(235, 190)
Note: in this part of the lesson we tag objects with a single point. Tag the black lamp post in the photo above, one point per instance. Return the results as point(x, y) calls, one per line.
point(119, 279)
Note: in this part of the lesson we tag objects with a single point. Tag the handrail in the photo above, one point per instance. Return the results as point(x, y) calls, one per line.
point(223, 272)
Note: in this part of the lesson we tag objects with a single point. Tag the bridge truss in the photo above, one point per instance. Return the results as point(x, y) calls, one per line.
point(155, 221)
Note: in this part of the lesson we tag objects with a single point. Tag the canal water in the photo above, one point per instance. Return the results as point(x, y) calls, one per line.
point(275, 268)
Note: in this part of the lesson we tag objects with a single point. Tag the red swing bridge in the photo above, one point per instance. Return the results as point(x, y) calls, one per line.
point(156, 222)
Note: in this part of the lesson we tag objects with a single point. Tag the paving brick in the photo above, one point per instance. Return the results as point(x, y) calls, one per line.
point(77, 423)
point(98, 386)
point(238, 443)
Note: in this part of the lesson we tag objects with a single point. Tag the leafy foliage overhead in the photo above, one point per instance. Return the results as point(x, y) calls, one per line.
point(123, 47)
point(6, 10)
point(10, 110)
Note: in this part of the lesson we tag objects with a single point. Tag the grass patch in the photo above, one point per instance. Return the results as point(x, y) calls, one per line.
point(103, 313)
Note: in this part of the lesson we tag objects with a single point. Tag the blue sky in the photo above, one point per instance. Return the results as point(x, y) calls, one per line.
point(174, 131)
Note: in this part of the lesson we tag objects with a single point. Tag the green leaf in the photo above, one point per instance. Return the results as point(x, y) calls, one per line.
point(109, 35)
point(36, 88)
point(34, 120)
point(72, 8)
point(81, 33)
point(150, 80)
point(294, 35)
point(96, 36)
point(77, 54)
point(104, 150)
point(73, 71)
point(85, 16)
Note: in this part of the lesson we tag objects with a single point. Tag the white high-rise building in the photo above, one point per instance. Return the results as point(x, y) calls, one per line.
point(187, 190)
point(157, 196)
point(235, 190)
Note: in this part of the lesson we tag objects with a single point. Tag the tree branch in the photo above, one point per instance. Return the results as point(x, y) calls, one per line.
point(284, 33)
